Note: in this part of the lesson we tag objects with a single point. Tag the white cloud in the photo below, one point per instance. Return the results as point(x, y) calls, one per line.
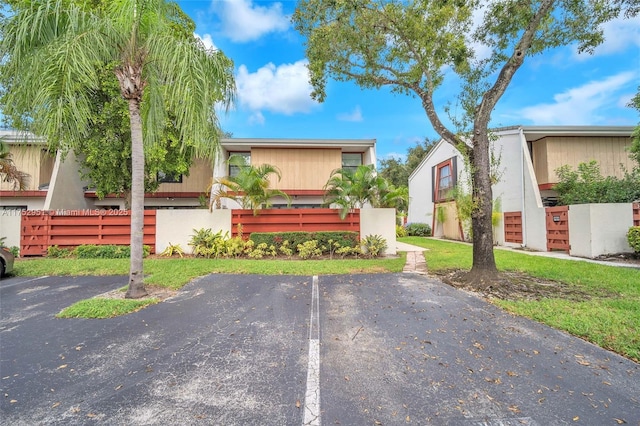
point(283, 89)
point(256, 118)
point(243, 21)
point(620, 34)
point(580, 105)
point(207, 41)
point(355, 115)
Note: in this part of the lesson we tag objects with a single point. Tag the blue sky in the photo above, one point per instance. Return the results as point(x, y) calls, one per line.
point(559, 87)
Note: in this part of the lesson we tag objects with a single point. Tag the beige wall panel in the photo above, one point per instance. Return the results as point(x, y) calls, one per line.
point(540, 165)
point(198, 180)
point(300, 168)
point(609, 152)
point(47, 161)
point(27, 160)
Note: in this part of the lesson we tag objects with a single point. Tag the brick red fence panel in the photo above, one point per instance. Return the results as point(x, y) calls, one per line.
point(513, 227)
point(286, 220)
point(636, 214)
point(68, 229)
point(558, 228)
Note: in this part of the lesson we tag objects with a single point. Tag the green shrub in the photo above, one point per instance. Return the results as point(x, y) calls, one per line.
point(418, 230)
point(207, 244)
point(293, 239)
point(92, 251)
point(309, 249)
point(400, 231)
point(15, 251)
point(57, 252)
point(374, 245)
point(633, 236)
point(172, 249)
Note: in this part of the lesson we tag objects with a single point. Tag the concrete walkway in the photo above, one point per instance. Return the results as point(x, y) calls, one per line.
point(416, 262)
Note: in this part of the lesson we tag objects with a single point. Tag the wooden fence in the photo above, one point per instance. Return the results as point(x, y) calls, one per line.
point(68, 229)
point(636, 214)
point(283, 220)
point(513, 227)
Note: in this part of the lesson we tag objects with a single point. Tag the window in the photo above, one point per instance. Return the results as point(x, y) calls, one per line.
point(165, 178)
point(444, 179)
point(351, 161)
point(234, 170)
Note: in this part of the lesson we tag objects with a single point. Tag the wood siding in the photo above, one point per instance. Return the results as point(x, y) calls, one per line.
point(300, 168)
point(553, 152)
point(35, 161)
point(199, 179)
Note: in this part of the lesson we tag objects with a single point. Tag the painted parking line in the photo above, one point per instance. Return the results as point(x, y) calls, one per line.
point(312, 395)
point(24, 281)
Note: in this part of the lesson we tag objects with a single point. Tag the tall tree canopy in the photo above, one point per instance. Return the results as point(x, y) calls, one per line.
point(413, 46)
point(397, 171)
point(64, 46)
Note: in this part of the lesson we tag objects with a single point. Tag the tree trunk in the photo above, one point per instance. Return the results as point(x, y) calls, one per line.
point(484, 264)
point(136, 277)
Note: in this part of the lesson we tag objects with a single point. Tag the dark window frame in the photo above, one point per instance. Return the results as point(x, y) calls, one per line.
point(233, 170)
point(440, 194)
point(351, 168)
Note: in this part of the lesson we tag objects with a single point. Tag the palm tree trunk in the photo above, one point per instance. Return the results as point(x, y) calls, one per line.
point(136, 276)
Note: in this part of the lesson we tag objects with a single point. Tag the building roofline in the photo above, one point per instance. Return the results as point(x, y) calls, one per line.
point(244, 143)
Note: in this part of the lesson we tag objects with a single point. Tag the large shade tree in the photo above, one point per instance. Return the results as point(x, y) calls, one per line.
point(63, 47)
point(414, 46)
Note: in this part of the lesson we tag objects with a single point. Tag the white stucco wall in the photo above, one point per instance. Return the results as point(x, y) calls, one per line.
point(10, 221)
point(66, 189)
point(421, 182)
point(176, 226)
point(597, 229)
point(379, 222)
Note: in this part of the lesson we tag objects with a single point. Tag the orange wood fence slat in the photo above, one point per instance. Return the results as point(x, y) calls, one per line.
point(558, 228)
point(68, 229)
point(289, 220)
point(513, 227)
point(636, 214)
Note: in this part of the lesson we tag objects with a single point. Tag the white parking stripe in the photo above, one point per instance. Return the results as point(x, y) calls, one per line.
point(312, 395)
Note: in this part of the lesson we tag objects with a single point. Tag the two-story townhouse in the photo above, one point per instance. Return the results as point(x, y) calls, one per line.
point(305, 165)
point(528, 157)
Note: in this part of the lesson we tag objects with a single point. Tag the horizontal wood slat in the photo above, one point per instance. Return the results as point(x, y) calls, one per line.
point(513, 227)
point(71, 228)
point(558, 228)
point(636, 214)
point(288, 220)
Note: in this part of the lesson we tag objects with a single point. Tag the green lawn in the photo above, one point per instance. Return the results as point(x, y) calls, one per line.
point(609, 318)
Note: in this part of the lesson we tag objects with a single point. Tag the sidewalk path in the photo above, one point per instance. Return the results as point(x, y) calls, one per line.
point(416, 262)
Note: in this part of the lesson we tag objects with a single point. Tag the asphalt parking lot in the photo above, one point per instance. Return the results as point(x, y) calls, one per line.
point(386, 349)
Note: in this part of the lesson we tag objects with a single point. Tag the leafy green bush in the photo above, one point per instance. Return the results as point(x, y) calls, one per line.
point(92, 251)
point(374, 245)
point(172, 249)
point(418, 229)
point(293, 239)
point(400, 231)
point(207, 244)
point(57, 252)
point(309, 249)
point(633, 236)
point(587, 185)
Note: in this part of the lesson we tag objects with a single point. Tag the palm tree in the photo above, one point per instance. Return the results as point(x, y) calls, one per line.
point(62, 46)
point(353, 189)
point(250, 187)
point(8, 170)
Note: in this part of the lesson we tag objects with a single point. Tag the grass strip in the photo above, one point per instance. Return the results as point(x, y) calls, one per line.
point(610, 318)
point(100, 307)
